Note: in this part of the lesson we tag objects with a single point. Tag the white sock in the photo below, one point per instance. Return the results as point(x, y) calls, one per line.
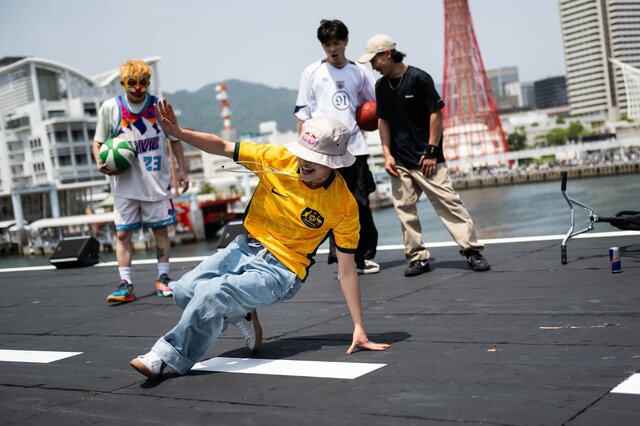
point(125, 274)
point(163, 268)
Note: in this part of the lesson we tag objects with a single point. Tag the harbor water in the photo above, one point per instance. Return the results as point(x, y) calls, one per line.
point(524, 210)
point(498, 212)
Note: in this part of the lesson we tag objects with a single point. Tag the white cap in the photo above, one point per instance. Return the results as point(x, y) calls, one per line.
point(323, 140)
point(376, 44)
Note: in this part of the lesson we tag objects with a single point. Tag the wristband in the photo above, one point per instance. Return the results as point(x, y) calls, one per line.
point(431, 152)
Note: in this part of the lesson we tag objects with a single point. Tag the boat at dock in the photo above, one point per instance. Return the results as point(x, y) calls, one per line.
point(43, 235)
point(215, 212)
point(8, 238)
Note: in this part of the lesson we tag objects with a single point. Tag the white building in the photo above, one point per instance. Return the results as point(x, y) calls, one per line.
point(47, 123)
point(594, 31)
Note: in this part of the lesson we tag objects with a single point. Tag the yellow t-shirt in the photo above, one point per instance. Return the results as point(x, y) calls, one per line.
point(290, 219)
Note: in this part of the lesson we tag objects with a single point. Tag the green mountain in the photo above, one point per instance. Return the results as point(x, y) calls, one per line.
point(249, 103)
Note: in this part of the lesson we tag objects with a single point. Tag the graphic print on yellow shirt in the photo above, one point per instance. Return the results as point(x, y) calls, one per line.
point(290, 219)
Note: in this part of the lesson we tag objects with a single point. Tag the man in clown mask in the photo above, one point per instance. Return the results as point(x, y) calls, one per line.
point(141, 194)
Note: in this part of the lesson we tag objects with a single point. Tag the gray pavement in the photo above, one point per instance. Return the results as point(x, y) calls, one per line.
point(531, 342)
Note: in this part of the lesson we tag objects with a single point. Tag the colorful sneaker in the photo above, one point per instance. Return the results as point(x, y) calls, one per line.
point(162, 286)
point(125, 293)
point(149, 364)
point(250, 327)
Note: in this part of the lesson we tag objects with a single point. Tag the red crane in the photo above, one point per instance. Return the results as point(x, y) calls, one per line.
point(471, 125)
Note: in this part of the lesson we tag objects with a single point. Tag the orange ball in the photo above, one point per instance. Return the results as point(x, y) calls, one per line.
point(366, 116)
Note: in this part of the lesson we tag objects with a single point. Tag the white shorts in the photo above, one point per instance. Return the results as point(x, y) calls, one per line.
point(134, 214)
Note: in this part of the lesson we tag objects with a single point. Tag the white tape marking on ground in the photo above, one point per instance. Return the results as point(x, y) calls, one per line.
point(631, 385)
point(39, 357)
point(278, 367)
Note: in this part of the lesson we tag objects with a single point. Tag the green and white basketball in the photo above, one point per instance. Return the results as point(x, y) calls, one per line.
point(117, 154)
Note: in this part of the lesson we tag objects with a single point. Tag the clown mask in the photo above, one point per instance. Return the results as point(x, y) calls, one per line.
point(136, 86)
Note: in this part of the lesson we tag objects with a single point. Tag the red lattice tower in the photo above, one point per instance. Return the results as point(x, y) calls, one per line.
point(471, 125)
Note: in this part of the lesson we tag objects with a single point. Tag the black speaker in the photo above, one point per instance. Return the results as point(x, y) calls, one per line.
point(75, 252)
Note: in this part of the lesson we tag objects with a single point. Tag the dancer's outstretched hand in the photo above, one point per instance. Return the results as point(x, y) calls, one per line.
point(167, 116)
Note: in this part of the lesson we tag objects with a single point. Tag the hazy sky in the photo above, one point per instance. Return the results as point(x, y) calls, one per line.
point(268, 41)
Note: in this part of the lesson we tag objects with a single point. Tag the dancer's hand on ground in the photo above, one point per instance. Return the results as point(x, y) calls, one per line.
point(360, 341)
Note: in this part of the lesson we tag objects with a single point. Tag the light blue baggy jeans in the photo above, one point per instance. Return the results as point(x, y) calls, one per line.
point(238, 279)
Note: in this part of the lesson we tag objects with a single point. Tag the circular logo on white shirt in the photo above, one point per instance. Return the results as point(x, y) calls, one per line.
point(341, 100)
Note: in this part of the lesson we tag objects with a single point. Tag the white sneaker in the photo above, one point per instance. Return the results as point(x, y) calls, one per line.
point(369, 267)
point(149, 364)
point(250, 327)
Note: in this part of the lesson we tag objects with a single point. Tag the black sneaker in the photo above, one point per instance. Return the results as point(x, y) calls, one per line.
point(476, 261)
point(417, 267)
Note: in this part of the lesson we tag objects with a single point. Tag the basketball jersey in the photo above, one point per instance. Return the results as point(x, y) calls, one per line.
point(149, 177)
point(327, 91)
point(290, 219)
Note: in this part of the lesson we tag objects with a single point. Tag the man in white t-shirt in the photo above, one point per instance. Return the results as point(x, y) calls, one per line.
point(335, 87)
point(141, 194)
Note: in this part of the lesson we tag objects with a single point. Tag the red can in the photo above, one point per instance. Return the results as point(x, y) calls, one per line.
point(614, 259)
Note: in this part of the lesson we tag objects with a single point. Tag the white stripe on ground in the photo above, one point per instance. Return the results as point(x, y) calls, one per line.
point(39, 357)
point(631, 385)
point(277, 367)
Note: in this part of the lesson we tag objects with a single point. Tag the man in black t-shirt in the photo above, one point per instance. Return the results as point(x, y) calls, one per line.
point(410, 125)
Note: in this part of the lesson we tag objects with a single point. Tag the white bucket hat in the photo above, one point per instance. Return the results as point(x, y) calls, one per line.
point(323, 140)
point(376, 44)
